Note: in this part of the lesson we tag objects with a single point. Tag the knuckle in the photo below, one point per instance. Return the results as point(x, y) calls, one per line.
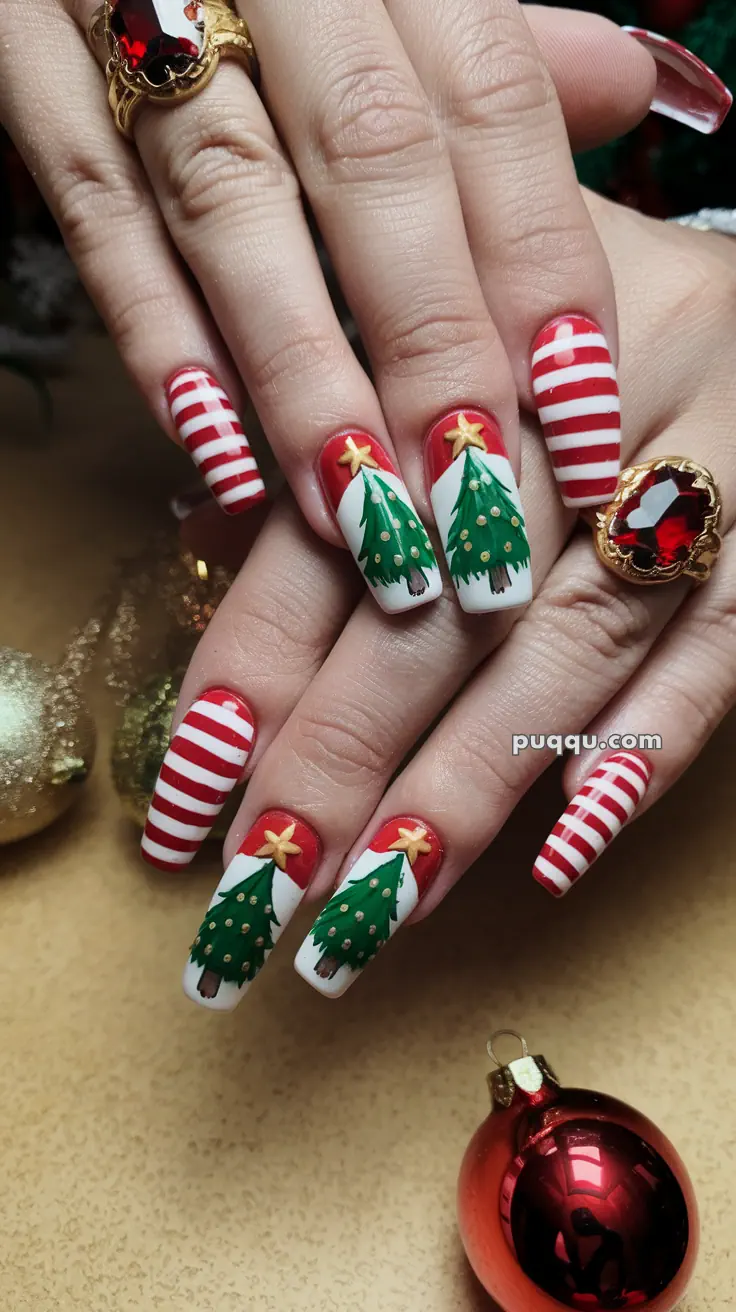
point(418, 340)
point(224, 168)
point(496, 79)
point(371, 118)
point(94, 198)
point(593, 618)
point(344, 747)
point(485, 766)
point(302, 352)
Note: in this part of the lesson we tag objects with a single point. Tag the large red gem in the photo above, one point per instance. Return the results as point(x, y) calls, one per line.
point(156, 37)
point(658, 524)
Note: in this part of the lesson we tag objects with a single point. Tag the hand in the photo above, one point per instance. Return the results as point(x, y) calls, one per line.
point(457, 231)
point(591, 653)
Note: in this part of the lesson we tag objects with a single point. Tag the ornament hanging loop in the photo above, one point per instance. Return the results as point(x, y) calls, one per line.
point(511, 1034)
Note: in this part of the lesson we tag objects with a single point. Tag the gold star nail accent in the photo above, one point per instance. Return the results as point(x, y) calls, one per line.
point(411, 841)
point(355, 456)
point(466, 434)
point(280, 846)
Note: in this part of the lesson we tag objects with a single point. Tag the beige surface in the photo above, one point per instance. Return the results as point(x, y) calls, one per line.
point(301, 1154)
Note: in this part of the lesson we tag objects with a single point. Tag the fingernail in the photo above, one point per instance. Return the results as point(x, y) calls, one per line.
point(204, 761)
point(688, 91)
point(607, 799)
point(383, 887)
point(213, 435)
point(253, 903)
point(478, 511)
point(576, 393)
point(379, 522)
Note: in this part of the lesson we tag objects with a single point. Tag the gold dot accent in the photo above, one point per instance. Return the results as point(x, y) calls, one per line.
point(473, 485)
point(507, 546)
point(245, 929)
point(197, 940)
point(385, 536)
point(208, 949)
point(396, 523)
point(371, 929)
point(376, 498)
point(377, 557)
point(481, 520)
point(360, 915)
point(245, 966)
point(268, 909)
point(227, 957)
point(331, 932)
point(392, 496)
point(344, 907)
point(398, 560)
point(240, 897)
point(495, 512)
point(485, 556)
point(485, 478)
point(253, 900)
point(415, 552)
point(468, 546)
point(373, 883)
point(465, 534)
point(386, 892)
point(346, 943)
point(514, 521)
point(412, 523)
point(259, 941)
point(213, 924)
point(228, 924)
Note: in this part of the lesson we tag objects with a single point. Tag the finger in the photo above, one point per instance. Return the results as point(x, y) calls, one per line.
point(102, 203)
point(540, 262)
point(365, 143)
point(658, 724)
point(269, 637)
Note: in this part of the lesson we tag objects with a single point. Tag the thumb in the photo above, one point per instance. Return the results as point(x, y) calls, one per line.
point(605, 80)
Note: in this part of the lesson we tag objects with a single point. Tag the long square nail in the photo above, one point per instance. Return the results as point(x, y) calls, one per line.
point(576, 393)
point(478, 511)
point(688, 91)
point(607, 800)
point(383, 887)
point(204, 761)
point(252, 905)
point(375, 514)
point(213, 435)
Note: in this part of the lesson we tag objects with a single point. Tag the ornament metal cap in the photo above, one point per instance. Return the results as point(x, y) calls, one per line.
point(525, 1075)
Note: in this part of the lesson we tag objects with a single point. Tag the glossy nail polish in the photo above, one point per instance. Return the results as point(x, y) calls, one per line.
point(382, 888)
point(380, 525)
point(688, 91)
point(204, 761)
point(253, 903)
point(577, 398)
point(213, 435)
point(607, 800)
point(478, 511)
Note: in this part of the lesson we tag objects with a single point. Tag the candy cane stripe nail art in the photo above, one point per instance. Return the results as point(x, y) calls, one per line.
point(688, 91)
point(213, 435)
point(379, 522)
point(576, 393)
point(253, 903)
point(204, 761)
point(605, 802)
point(383, 887)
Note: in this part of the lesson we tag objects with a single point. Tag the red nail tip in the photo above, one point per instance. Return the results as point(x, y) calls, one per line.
point(438, 450)
point(291, 833)
point(605, 802)
point(577, 398)
point(688, 91)
point(213, 435)
point(409, 829)
point(204, 761)
point(336, 467)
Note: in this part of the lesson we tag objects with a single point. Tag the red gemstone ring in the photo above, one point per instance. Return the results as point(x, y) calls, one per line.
point(164, 51)
point(662, 522)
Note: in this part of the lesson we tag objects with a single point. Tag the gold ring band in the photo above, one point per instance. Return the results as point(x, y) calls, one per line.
point(662, 522)
point(169, 59)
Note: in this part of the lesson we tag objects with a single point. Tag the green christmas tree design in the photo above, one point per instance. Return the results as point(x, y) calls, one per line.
point(395, 544)
point(357, 921)
point(236, 933)
point(487, 534)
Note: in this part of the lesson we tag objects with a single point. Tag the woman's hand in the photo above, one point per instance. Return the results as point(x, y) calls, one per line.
point(591, 653)
point(431, 144)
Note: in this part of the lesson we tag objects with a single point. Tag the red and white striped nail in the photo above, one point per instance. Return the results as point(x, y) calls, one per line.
point(253, 903)
point(381, 889)
point(688, 91)
point(576, 394)
point(213, 435)
point(379, 522)
point(204, 761)
point(607, 800)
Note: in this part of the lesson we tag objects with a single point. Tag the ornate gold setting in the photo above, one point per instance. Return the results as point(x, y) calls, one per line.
point(225, 35)
point(704, 550)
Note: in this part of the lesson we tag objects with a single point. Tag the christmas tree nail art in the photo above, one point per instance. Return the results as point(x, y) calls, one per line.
point(382, 889)
point(254, 902)
point(478, 511)
point(378, 521)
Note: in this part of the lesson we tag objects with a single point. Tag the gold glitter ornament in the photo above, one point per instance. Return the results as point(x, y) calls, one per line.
point(139, 746)
point(47, 739)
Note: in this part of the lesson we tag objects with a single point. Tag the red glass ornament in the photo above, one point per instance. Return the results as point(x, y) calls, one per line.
point(661, 520)
point(158, 37)
point(570, 1198)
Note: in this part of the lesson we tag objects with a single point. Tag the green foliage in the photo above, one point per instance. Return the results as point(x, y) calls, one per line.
point(487, 532)
point(395, 545)
point(357, 921)
point(237, 932)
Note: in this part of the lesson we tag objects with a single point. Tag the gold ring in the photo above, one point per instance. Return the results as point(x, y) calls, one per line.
point(164, 51)
point(662, 522)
